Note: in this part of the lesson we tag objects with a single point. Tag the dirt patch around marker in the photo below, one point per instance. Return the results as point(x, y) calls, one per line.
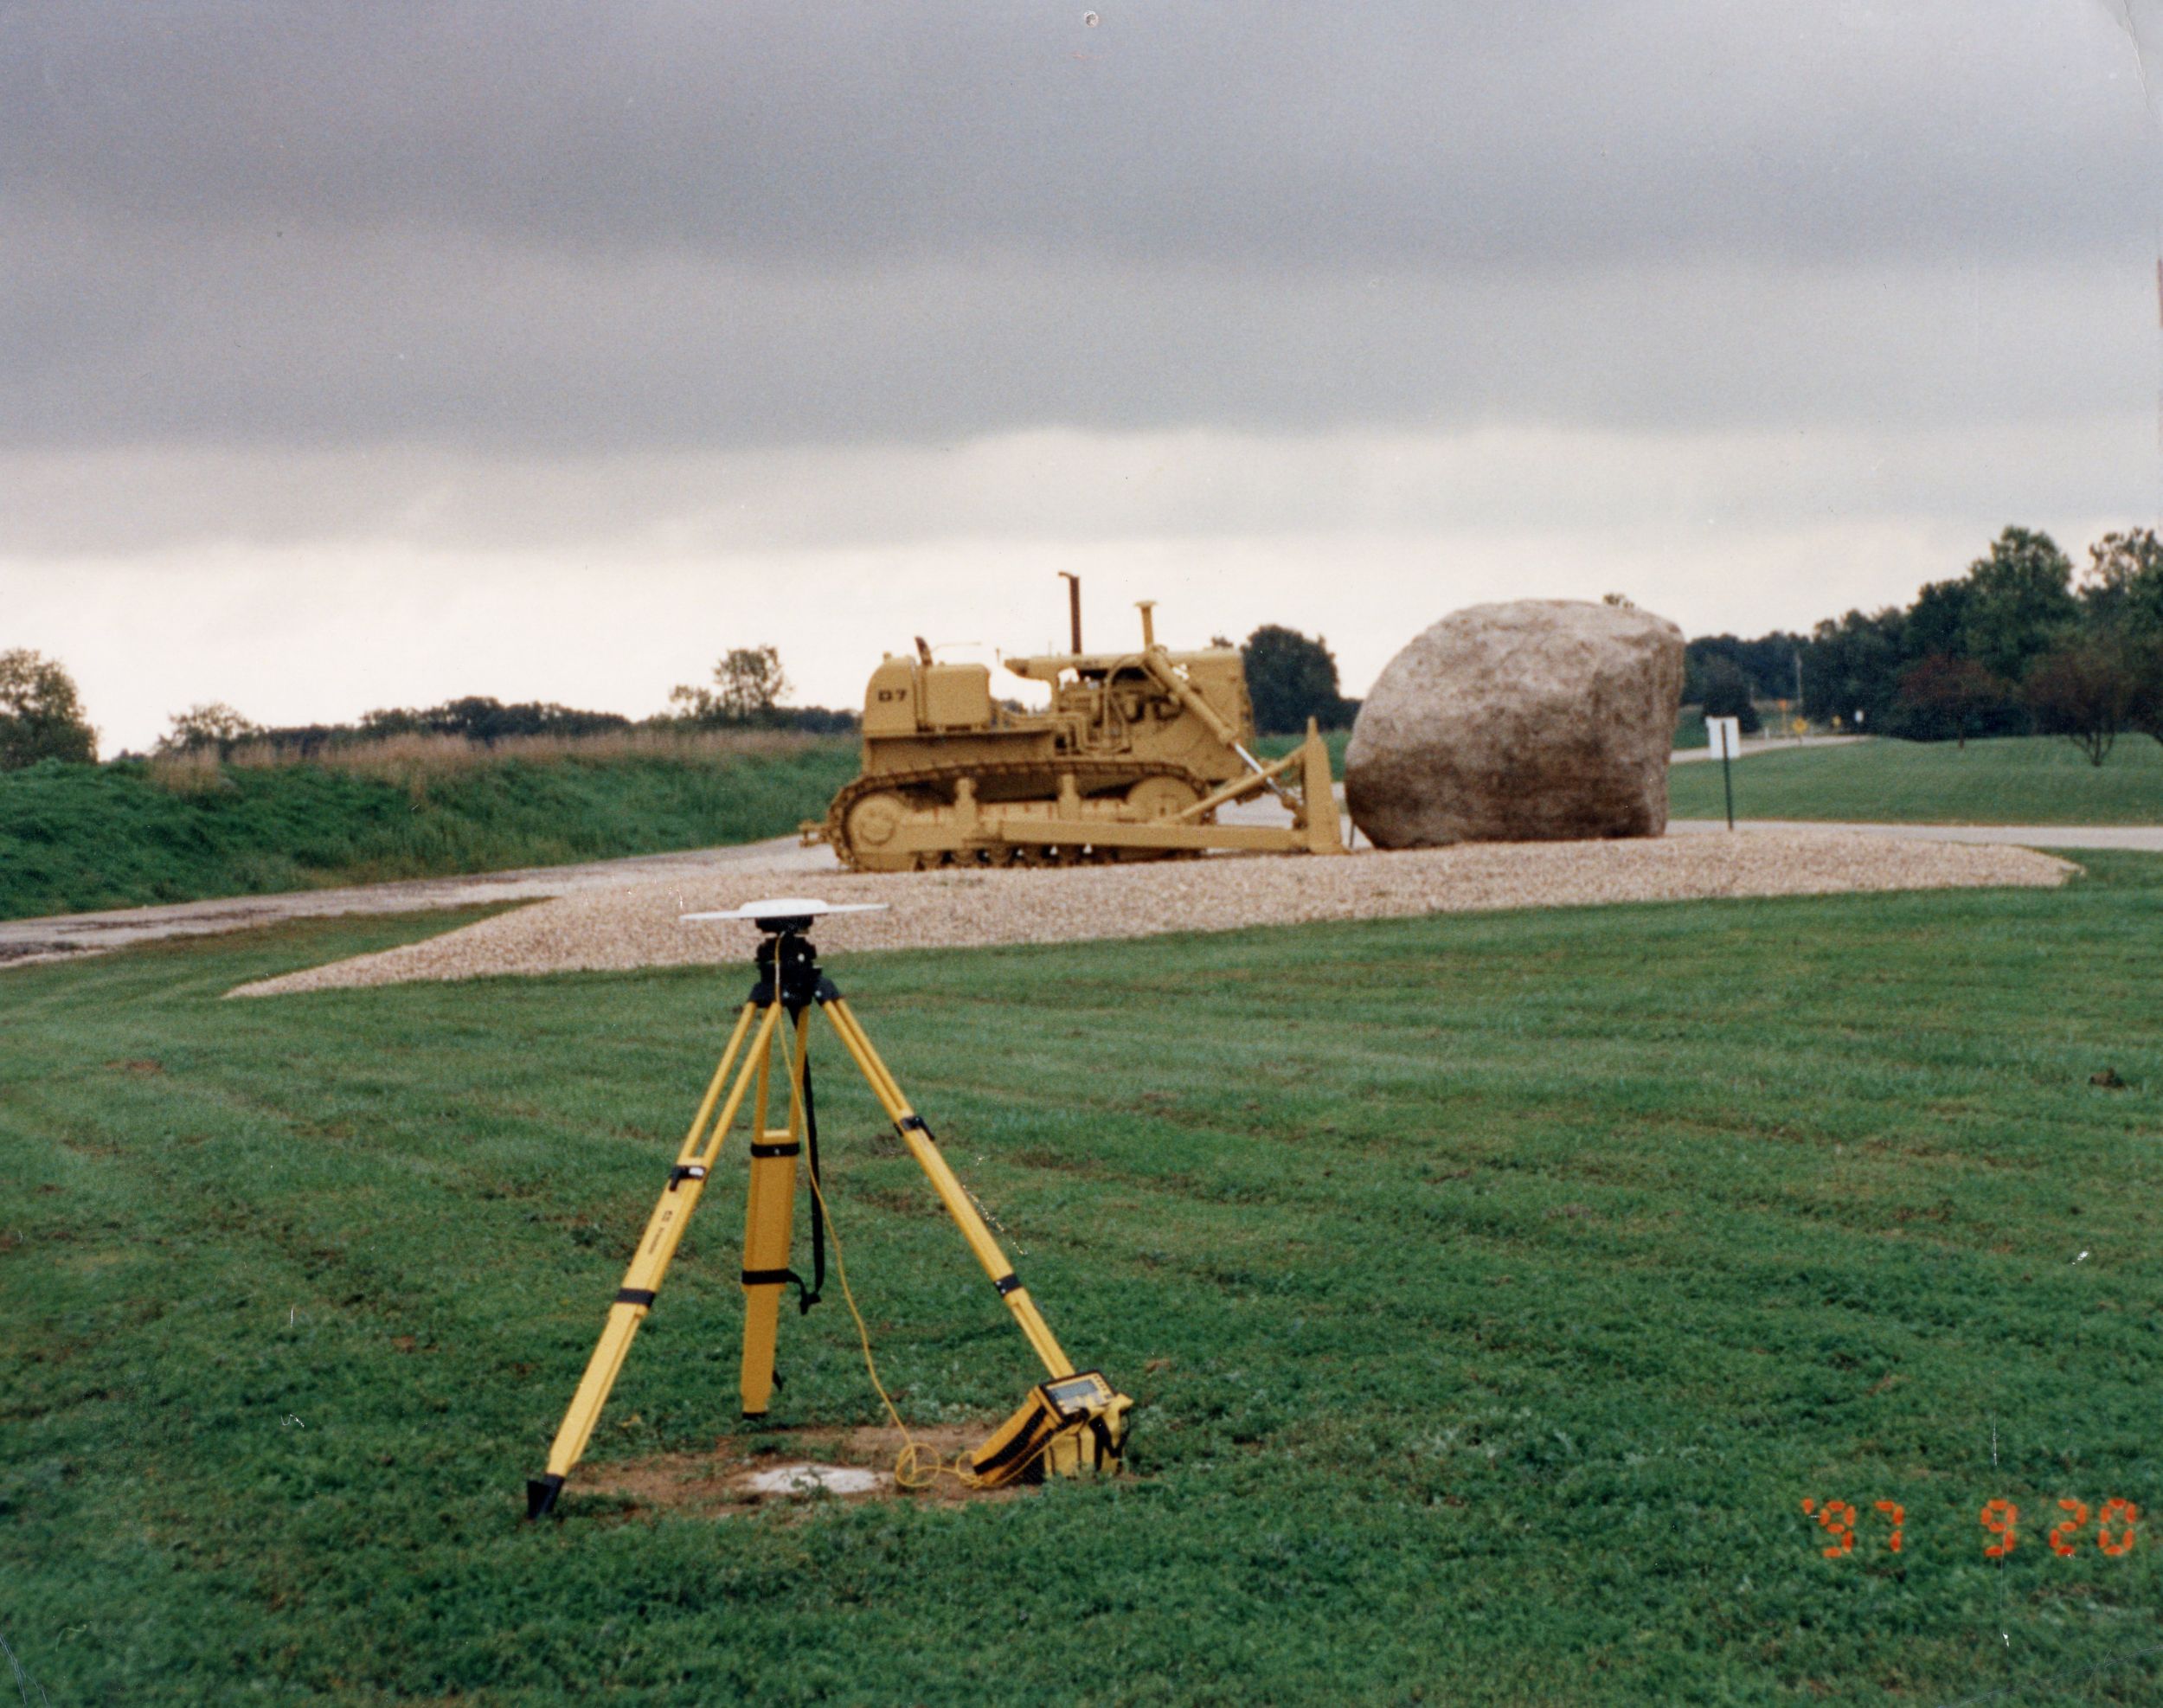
point(719, 1484)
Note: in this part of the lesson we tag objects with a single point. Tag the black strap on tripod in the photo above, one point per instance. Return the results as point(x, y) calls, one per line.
point(806, 1299)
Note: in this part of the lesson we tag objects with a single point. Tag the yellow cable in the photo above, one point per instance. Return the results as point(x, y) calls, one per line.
point(913, 1466)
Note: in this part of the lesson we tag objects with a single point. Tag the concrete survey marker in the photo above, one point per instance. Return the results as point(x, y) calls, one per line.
point(805, 1478)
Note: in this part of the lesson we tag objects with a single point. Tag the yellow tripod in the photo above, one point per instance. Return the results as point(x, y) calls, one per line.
point(1073, 1423)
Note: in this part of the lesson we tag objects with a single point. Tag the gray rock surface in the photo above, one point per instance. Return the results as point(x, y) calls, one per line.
point(1541, 720)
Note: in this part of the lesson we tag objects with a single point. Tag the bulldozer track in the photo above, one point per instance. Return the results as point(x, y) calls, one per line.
point(1125, 772)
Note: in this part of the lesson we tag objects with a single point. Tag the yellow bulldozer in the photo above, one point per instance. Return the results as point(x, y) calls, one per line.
point(1131, 760)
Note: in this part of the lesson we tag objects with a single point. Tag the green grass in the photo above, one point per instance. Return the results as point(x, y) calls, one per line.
point(79, 837)
point(2031, 780)
point(1494, 1289)
point(1276, 747)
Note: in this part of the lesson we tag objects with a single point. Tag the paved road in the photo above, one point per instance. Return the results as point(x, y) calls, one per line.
point(25, 941)
point(2148, 838)
point(1755, 745)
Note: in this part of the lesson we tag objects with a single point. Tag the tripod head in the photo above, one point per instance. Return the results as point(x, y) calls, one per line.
point(787, 963)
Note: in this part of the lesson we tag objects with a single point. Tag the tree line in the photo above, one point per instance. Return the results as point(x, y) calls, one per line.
point(42, 716)
point(2019, 645)
point(2023, 644)
point(1290, 676)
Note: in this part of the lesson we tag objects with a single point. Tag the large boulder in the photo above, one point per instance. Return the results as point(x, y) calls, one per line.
point(1542, 720)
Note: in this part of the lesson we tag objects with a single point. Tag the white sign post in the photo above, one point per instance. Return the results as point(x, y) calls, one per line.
point(1725, 736)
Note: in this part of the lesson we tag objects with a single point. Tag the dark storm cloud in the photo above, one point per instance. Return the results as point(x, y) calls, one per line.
point(592, 229)
point(1248, 134)
point(456, 344)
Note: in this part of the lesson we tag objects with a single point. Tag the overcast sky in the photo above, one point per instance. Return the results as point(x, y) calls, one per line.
point(363, 355)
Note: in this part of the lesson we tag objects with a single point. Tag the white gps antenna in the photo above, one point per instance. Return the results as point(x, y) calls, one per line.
point(785, 910)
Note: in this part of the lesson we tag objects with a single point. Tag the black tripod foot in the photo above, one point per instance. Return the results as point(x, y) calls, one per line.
point(540, 1492)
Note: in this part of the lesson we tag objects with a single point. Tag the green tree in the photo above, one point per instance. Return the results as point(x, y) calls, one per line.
point(748, 685)
point(1724, 691)
point(1768, 661)
point(1937, 621)
point(2144, 664)
point(1291, 678)
point(1851, 669)
point(2020, 605)
point(212, 724)
point(41, 713)
point(2122, 589)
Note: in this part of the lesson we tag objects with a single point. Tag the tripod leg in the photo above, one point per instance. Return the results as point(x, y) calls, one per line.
point(649, 1262)
point(769, 1219)
point(952, 1192)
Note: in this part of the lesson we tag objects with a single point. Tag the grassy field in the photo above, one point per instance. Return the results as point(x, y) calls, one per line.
point(1688, 733)
point(1495, 1289)
point(2031, 781)
point(78, 837)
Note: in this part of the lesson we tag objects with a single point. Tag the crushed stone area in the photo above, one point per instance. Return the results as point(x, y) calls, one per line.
point(637, 925)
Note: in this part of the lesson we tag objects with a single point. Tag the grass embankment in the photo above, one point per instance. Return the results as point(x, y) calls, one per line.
point(2017, 780)
point(1495, 1289)
point(79, 837)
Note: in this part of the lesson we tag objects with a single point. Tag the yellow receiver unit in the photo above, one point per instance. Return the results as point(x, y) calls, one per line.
point(1073, 1426)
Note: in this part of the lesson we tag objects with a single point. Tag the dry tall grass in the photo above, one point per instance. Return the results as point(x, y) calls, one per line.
point(193, 773)
point(407, 759)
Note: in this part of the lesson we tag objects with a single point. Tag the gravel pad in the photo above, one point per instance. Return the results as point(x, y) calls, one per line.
point(636, 926)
